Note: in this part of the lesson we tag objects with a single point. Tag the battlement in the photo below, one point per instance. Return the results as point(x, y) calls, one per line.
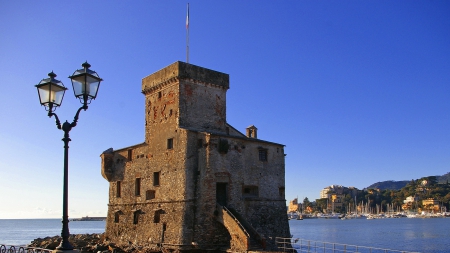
point(182, 71)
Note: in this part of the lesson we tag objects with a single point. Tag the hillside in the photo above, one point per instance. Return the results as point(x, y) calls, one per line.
point(391, 185)
point(444, 178)
point(397, 185)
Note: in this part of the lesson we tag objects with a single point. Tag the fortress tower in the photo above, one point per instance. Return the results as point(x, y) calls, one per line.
point(196, 183)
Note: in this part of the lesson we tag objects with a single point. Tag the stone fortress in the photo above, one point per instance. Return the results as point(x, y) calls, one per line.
point(195, 183)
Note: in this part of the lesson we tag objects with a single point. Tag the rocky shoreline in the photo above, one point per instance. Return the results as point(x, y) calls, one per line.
point(87, 243)
point(83, 242)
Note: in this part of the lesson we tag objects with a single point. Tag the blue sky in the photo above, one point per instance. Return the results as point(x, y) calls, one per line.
point(358, 91)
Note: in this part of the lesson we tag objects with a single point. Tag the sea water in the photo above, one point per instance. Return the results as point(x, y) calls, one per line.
point(23, 231)
point(430, 235)
point(418, 235)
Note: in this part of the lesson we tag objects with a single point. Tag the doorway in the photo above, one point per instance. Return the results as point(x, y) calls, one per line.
point(221, 193)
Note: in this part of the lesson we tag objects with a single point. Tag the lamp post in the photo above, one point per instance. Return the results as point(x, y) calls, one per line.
point(85, 83)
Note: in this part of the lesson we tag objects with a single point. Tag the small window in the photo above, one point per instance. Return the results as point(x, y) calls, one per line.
point(137, 187)
point(199, 143)
point(149, 194)
point(117, 216)
point(250, 191)
point(156, 178)
point(227, 129)
point(157, 217)
point(281, 191)
point(159, 94)
point(170, 143)
point(130, 154)
point(136, 216)
point(262, 154)
point(118, 189)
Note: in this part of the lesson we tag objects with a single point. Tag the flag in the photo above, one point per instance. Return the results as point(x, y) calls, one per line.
point(187, 17)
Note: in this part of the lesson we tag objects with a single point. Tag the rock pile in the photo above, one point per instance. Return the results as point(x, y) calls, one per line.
point(89, 243)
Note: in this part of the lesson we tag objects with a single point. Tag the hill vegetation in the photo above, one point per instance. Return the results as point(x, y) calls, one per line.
point(397, 185)
point(390, 195)
point(389, 185)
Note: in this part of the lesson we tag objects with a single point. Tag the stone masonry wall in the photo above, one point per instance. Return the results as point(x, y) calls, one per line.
point(165, 190)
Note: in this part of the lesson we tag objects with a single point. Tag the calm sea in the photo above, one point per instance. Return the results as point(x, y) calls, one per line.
point(422, 235)
point(22, 232)
point(419, 235)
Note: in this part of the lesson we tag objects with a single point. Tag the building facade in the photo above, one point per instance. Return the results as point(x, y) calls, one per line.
point(195, 183)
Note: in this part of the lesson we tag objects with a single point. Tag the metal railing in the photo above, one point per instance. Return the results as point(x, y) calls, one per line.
point(303, 245)
point(22, 249)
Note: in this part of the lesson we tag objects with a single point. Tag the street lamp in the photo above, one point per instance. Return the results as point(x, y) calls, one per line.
point(85, 84)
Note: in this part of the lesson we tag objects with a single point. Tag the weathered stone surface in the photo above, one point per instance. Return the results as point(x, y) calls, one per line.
point(164, 192)
point(83, 242)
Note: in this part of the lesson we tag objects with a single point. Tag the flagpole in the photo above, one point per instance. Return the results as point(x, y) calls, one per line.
point(187, 34)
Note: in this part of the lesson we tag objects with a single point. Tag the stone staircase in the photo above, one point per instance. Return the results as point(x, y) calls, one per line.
point(243, 236)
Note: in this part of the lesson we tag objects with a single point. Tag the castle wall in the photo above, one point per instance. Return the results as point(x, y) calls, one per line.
point(158, 211)
point(255, 189)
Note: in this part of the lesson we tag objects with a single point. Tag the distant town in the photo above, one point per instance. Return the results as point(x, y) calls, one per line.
point(424, 197)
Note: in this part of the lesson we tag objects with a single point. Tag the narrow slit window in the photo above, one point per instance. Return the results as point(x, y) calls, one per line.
point(118, 189)
point(157, 217)
point(137, 187)
point(117, 216)
point(156, 177)
point(136, 216)
point(130, 154)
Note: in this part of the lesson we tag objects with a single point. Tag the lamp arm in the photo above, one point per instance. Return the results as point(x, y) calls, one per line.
point(75, 119)
point(58, 123)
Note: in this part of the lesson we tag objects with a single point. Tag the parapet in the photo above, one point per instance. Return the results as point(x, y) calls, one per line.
point(181, 70)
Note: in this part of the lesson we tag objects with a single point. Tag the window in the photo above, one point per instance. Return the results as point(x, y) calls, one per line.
point(117, 216)
point(149, 194)
point(170, 143)
point(156, 178)
point(281, 191)
point(250, 191)
point(159, 94)
point(137, 187)
point(130, 154)
point(262, 154)
point(136, 216)
point(118, 189)
point(157, 217)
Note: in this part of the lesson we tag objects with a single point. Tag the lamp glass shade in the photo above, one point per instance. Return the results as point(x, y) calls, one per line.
point(85, 83)
point(51, 92)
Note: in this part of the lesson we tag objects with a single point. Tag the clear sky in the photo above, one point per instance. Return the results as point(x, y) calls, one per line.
point(358, 91)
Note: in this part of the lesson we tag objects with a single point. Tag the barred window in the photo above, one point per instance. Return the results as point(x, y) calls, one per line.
point(262, 154)
point(149, 194)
